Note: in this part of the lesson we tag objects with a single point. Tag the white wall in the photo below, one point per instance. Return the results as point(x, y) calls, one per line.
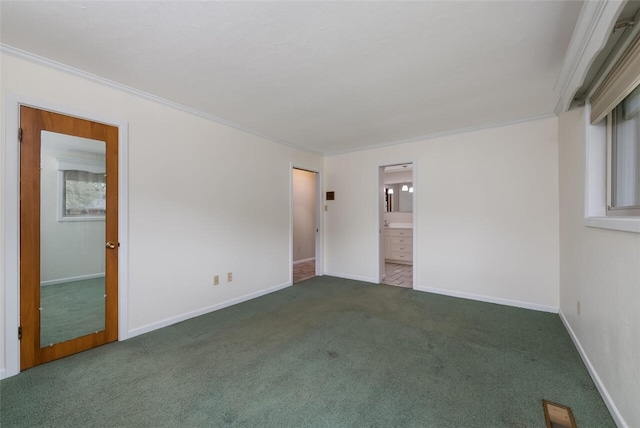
point(486, 213)
point(304, 214)
point(204, 199)
point(601, 269)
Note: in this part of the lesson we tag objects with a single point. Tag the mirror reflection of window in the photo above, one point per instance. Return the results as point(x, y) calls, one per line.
point(84, 194)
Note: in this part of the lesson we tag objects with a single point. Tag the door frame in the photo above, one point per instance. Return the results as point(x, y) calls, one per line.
point(12, 219)
point(380, 210)
point(319, 218)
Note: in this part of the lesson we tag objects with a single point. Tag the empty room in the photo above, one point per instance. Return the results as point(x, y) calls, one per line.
point(320, 214)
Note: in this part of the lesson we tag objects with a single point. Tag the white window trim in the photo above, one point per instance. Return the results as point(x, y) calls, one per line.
point(94, 166)
point(623, 224)
point(596, 181)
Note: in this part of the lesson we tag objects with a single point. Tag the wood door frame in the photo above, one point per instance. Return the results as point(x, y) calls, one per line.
point(12, 220)
point(319, 219)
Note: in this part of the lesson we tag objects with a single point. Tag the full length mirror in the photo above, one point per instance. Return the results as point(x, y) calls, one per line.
point(72, 237)
point(398, 188)
point(399, 197)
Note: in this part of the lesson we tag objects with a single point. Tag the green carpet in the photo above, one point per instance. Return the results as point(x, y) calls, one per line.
point(71, 309)
point(326, 352)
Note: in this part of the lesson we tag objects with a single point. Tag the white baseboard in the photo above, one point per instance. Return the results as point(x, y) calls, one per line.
point(488, 299)
point(354, 277)
point(297, 262)
point(173, 320)
point(72, 279)
point(617, 417)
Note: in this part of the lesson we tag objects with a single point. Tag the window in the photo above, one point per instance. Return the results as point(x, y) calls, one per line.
point(612, 199)
point(624, 159)
point(617, 98)
point(83, 194)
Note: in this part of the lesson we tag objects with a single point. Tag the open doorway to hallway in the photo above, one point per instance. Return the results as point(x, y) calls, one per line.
point(305, 227)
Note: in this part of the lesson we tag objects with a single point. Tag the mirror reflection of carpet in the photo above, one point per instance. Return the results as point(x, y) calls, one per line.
point(70, 310)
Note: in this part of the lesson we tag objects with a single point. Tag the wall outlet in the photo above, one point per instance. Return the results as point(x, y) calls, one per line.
point(230, 277)
point(578, 306)
point(216, 279)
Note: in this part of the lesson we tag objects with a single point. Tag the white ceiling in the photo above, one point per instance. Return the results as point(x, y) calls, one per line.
point(329, 77)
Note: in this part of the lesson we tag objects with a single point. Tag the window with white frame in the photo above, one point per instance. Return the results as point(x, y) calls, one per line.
point(624, 157)
point(618, 100)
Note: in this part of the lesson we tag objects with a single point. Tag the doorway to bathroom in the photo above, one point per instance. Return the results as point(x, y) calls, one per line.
point(396, 217)
point(304, 208)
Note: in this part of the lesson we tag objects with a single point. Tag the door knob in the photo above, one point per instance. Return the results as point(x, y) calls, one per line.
point(110, 245)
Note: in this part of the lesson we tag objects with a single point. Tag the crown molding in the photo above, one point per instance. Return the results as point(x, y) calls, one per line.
point(444, 134)
point(145, 95)
point(590, 35)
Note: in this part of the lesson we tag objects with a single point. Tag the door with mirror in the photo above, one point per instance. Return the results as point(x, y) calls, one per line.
point(68, 235)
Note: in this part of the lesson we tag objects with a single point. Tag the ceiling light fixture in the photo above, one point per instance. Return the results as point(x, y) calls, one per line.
point(411, 189)
point(405, 188)
point(390, 191)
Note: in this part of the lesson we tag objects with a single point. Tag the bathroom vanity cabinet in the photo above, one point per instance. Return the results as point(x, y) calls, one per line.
point(398, 245)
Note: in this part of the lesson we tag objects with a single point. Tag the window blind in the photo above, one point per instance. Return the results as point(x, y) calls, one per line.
point(620, 82)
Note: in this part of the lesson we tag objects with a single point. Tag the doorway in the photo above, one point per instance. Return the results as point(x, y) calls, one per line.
point(304, 195)
point(68, 235)
point(396, 218)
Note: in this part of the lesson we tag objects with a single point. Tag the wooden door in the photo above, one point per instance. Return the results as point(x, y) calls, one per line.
point(60, 267)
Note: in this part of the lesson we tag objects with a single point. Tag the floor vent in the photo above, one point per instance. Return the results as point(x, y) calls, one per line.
point(558, 416)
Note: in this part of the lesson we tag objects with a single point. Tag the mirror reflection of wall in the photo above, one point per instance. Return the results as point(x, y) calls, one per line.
point(398, 183)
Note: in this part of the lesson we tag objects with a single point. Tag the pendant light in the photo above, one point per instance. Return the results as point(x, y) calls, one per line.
point(405, 188)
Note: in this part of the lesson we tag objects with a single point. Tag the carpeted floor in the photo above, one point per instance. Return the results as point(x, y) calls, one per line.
point(326, 352)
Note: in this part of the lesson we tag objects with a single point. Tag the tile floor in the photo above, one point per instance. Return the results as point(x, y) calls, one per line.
point(398, 275)
point(304, 270)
